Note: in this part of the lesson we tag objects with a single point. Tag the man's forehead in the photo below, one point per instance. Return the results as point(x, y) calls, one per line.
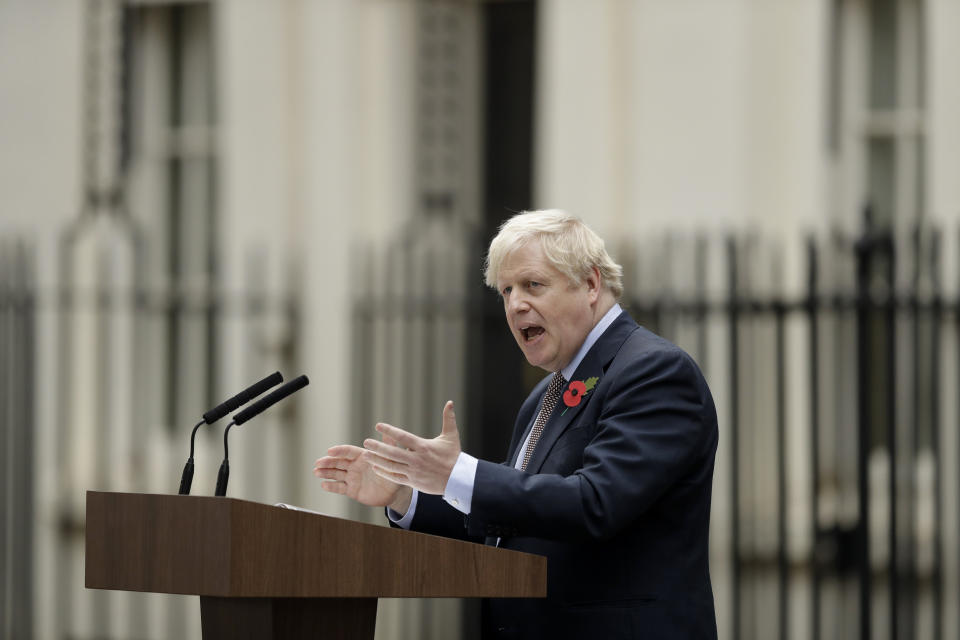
point(526, 270)
point(523, 262)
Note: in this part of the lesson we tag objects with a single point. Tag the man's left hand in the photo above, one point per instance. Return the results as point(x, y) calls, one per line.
point(424, 464)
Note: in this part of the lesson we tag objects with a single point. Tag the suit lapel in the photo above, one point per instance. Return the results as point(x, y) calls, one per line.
point(594, 364)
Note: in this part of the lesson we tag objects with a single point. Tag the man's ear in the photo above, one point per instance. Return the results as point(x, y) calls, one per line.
point(594, 283)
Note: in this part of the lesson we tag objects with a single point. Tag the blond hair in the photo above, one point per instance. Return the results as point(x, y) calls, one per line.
point(569, 244)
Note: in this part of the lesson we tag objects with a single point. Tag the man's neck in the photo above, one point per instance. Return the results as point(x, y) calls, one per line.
point(592, 337)
point(604, 304)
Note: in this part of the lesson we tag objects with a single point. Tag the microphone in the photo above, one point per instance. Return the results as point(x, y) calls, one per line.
point(255, 409)
point(222, 409)
point(242, 398)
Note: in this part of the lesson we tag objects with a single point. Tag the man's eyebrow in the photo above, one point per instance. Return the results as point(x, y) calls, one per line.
point(536, 275)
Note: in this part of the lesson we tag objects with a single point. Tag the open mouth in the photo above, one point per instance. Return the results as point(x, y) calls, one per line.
point(531, 333)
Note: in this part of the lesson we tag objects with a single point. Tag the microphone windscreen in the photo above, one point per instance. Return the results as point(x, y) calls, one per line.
point(242, 398)
point(272, 398)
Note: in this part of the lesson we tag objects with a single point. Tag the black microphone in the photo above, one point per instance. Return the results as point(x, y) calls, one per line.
point(222, 409)
point(242, 398)
point(255, 409)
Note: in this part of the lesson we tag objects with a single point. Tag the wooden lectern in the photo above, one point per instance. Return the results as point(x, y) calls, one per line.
point(267, 572)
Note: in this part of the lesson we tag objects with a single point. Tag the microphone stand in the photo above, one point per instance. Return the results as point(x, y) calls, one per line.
point(224, 474)
point(186, 478)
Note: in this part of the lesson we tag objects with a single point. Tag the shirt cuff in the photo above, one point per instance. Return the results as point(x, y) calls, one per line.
point(406, 519)
point(459, 490)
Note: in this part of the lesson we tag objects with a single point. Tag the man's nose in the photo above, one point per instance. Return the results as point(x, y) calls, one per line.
point(518, 302)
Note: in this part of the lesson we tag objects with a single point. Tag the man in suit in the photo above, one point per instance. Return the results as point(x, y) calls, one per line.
point(610, 467)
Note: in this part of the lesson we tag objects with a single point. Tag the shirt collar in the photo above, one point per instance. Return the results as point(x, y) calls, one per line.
point(592, 338)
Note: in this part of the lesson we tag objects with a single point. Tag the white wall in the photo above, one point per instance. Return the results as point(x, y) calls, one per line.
point(40, 91)
point(943, 135)
point(656, 115)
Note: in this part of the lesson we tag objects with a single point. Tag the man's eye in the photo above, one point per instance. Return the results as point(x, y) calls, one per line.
point(534, 285)
point(505, 291)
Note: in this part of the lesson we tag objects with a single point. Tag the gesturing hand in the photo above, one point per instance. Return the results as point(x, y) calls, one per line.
point(346, 470)
point(417, 462)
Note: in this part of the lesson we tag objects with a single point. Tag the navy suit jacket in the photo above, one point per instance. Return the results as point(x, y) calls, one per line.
point(616, 496)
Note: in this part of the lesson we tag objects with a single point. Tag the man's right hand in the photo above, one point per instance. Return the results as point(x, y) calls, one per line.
point(346, 470)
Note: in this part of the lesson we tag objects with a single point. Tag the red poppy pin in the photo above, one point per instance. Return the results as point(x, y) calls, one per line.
point(577, 390)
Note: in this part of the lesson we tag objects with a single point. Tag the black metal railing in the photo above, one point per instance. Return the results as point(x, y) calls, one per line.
point(889, 319)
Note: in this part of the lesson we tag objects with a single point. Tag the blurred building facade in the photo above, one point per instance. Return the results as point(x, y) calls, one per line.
point(196, 194)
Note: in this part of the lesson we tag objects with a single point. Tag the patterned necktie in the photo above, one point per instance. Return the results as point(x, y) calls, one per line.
point(549, 402)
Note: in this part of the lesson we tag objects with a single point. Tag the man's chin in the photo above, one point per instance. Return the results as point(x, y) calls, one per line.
point(538, 364)
point(535, 358)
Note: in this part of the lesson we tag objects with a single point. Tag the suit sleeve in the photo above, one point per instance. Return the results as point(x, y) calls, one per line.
point(653, 427)
point(436, 517)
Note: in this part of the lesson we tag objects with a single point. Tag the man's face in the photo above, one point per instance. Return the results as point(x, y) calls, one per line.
point(548, 315)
